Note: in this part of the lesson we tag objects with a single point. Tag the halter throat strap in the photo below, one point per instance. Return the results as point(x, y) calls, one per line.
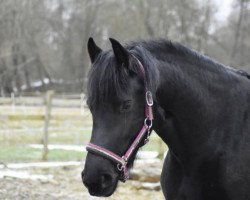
point(122, 161)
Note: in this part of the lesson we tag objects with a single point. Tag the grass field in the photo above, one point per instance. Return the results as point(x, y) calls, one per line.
point(14, 152)
point(24, 153)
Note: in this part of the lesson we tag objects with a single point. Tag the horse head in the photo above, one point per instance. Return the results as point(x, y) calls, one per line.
point(116, 99)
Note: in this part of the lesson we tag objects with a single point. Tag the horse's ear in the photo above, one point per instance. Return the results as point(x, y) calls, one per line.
point(121, 54)
point(93, 50)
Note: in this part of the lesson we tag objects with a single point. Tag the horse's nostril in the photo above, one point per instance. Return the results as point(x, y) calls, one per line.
point(95, 183)
point(106, 180)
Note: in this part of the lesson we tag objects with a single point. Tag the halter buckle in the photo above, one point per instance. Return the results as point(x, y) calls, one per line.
point(149, 98)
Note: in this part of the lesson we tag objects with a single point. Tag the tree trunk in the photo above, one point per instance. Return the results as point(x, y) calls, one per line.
point(237, 32)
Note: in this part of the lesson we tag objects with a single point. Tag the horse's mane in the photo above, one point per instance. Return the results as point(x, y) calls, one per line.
point(107, 80)
point(162, 47)
point(243, 73)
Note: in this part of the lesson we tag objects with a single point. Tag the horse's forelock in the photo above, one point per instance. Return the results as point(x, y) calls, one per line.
point(106, 80)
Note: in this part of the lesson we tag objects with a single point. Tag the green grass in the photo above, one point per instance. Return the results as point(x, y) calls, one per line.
point(75, 137)
point(24, 153)
point(65, 136)
point(15, 150)
point(62, 155)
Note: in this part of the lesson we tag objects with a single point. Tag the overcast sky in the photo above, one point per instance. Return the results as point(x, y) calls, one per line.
point(224, 8)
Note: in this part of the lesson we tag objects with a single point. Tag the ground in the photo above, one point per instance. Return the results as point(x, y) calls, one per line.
point(66, 184)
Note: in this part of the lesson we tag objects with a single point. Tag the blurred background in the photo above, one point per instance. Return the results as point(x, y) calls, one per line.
point(43, 73)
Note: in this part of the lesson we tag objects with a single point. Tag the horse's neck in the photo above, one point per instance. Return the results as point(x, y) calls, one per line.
point(187, 98)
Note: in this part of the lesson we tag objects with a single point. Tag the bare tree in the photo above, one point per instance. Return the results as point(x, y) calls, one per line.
point(238, 29)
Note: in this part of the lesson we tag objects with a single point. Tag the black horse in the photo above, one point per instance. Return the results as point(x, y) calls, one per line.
point(201, 111)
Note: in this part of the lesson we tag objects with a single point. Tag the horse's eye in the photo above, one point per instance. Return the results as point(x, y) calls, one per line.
point(126, 105)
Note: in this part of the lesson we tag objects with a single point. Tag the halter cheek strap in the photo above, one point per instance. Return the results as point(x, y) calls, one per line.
point(145, 130)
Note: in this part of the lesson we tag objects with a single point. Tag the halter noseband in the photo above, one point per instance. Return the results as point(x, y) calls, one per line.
point(146, 129)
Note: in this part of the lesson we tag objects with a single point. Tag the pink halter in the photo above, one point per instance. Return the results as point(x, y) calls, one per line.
point(146, 129)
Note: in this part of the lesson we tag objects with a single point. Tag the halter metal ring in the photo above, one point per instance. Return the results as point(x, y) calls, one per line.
point(120, 167)
point(148, 123)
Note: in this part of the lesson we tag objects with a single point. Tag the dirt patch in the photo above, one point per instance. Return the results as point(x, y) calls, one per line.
point(66, 184)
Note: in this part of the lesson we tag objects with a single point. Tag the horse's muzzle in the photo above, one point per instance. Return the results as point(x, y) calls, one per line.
point(99, 185)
